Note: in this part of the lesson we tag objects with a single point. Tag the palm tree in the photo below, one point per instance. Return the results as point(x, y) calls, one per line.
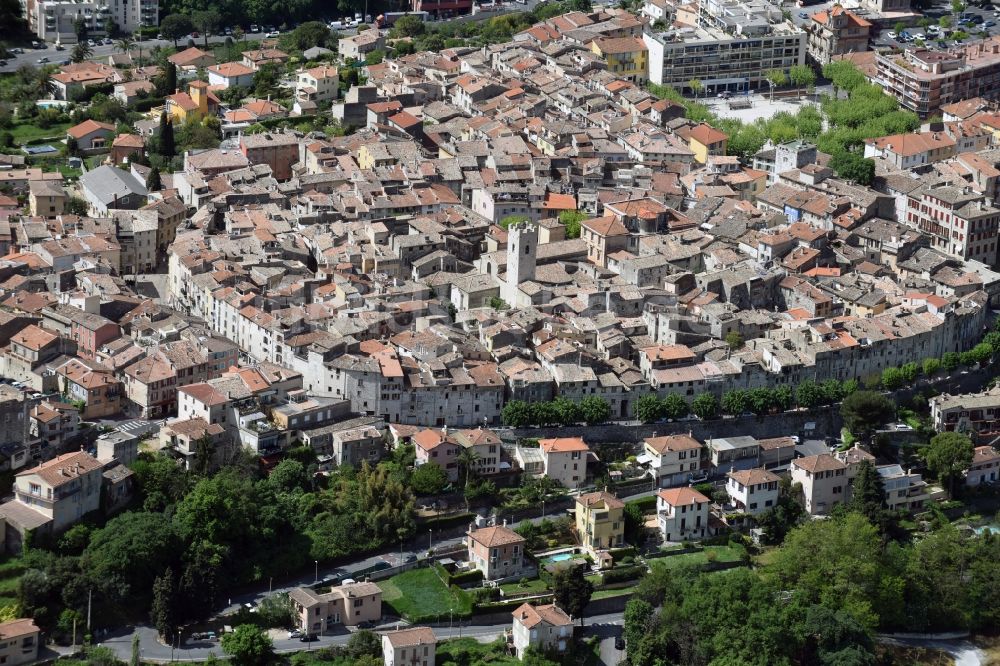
point(44, 85)
point(81, 52)
point(124, 45)
point(466, 459)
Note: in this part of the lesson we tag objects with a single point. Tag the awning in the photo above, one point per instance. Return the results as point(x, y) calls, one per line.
point(644, 458)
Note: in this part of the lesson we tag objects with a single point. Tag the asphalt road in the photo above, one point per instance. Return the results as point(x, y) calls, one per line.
point(151, 649)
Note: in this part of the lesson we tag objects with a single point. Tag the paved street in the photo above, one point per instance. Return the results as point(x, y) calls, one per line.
point(607, 626)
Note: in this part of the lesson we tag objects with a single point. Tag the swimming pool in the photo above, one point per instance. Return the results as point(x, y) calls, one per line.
point(561, 557)
point(991, 529)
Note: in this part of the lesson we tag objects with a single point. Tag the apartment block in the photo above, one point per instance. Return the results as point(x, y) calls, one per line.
point(731, 49)
point(923, 80)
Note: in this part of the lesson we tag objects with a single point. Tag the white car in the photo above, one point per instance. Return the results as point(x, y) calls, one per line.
point(892, 35)
point(273, 35)
point(919, 36)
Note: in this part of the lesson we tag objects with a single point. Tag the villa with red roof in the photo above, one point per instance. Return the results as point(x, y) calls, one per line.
point(682, 514)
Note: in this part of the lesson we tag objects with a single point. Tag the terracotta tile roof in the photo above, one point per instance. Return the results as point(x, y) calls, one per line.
point(491, 537)
point(673, 443)
point(601, 497)
point(230, 69)
point(88, 127)
point(411, 637)
point(530, 616)
point(35, 337)
point(65, 468)
point(753, 477)
point(17, 628)
point(605, 226)
point(563, 444)
point(706, 135)
point(682, 496)
point(824, 462)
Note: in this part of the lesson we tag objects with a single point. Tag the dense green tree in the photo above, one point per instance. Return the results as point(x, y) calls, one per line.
point(776, 78)
point(778, 520)
point(126, 555)
point(267, 80)
point(809, 394)
point(864, 411)
point(407, 26)
point(175, 26)
point(705, 406)
point(516, 414)
point(868, 494)
point(288, 476)
point(308, 35)
point(854, 166)
point(839, 563)
point(844, 75)
point(892, 378)
point(165, 144)
point(948, 455)
point(675, 406)
point(364, 643)
point(594, 409)
point(635, 524)
point(571, 591)
point(639, 621)
point(163, 611)
point(153, 181)
point(951, 360)
point(248, 645)
point(207, 21)
point(982, 352)
point(735, 402)
point(802, 76)
point(782, 397)
point(428, 479)
point(910, 372)
point(760, 400)
point(567, 412)
point(734, 339)
point(648, 408)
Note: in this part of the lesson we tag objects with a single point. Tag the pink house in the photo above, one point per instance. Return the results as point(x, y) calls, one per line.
point(437, 446)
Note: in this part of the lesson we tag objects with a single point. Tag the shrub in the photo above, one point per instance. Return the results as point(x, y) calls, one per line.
point(623, 574)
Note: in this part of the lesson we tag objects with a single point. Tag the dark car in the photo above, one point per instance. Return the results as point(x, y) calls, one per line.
point(308, 638)
point(381, 565)
point(619, 642)
point(410, 558)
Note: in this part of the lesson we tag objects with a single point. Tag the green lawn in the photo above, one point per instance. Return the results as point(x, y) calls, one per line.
point(26, 131)
point(420, 596)
point(604, 594)
point(533, 586)
point(471, 651)
point(10, 576)
point(721, 554)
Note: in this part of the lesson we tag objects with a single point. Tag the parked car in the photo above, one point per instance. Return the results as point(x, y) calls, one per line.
point(410, 558)
point(892, 35)
point(803, 15)
point(42, 60)
point(619, 642)
point(989, 24)
point(308, 638)
point(272, 35)
point(699, 477)
point(381, 565)
point(254, 27)
point(294, 633)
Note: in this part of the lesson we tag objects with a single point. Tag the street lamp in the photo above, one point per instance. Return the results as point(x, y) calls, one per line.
point(430, 539)
point(316, 562)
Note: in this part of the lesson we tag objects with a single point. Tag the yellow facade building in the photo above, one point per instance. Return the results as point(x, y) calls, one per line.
point(627, 57)
point(600, 521)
